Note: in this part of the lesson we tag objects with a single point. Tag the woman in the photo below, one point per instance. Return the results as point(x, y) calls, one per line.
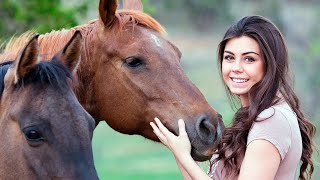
point(269, 135)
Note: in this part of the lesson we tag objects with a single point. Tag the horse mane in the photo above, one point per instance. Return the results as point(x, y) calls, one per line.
point(15, 46)
point(50, 43)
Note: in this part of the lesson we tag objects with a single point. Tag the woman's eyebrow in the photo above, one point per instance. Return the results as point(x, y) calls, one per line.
point(249, 52)
point(229, 52)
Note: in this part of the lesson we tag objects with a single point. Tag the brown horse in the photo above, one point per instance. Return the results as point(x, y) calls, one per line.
point(45, 132)
point(129, 74)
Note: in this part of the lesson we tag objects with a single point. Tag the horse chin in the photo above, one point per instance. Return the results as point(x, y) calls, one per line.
point(198, 156)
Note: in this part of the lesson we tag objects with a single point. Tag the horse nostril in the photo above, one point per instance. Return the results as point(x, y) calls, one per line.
point(206, 130)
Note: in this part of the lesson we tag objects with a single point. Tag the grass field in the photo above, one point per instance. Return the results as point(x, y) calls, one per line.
point(119, 156)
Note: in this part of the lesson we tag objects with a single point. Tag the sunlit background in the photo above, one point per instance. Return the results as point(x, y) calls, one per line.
point(196, 27)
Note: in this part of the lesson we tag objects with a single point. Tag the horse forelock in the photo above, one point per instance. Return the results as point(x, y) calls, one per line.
point(51, 73)
point(132, 17)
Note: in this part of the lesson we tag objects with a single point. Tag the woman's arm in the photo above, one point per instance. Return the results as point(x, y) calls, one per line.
point(192, 169)
point(181, 149)
point(184, 173)
point(261, 161)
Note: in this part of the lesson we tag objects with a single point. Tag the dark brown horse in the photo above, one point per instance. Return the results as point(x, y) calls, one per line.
point(44, 131)
point(129, 74)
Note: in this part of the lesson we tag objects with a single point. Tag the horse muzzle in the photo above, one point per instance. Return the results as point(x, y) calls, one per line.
point(204, 137)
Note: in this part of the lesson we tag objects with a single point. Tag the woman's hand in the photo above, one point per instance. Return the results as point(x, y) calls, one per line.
point(181, 148)
point(179, 145)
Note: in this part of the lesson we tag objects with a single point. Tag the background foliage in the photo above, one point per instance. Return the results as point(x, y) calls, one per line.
point(195, 27)
point(18, 16)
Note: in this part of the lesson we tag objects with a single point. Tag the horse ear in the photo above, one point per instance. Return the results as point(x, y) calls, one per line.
point(28, 59)
point(107, 11)
point(133, 4)
point(69, 55)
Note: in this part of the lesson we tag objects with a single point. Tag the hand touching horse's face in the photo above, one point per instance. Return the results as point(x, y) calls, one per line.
point(45, 132)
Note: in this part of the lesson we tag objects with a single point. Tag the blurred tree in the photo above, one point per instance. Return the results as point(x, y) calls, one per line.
point(205, 13)
point(271, 9)
point(17, 16)
point(148, 8)
point(311, 64)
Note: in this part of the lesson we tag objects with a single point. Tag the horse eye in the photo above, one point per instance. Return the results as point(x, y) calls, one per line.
point(33, 135)
point(134, 62)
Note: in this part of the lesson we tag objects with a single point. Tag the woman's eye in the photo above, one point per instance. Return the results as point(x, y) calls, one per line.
point(249, 59)
point(133, 62)
point(228, 57)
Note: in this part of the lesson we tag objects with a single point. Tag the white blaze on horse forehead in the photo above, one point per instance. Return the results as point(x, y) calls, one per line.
point(156, 40)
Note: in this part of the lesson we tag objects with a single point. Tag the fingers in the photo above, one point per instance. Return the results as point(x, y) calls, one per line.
point(156, 130)
point(166, 132)
point(182, 127)
point(162, 128)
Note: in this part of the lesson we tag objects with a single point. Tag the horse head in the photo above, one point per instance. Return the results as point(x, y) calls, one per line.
point(130, 73)
point(45, 132)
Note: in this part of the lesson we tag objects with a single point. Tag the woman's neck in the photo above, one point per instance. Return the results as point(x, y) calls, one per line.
point(244, 100)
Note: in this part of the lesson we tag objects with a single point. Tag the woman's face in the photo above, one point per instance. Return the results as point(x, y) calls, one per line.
point(242, 66)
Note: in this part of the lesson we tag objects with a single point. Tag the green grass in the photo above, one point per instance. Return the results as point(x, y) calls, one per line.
point(119, 156)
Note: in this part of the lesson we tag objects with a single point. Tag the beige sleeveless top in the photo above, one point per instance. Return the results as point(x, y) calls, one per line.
point(278, 125)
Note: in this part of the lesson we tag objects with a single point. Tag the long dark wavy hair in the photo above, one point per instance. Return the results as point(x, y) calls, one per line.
point(262, 95)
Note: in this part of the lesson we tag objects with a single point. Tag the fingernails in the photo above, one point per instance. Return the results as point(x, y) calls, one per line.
point(157, 120)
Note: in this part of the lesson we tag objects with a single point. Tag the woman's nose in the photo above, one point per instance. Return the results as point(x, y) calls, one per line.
point(237, 66)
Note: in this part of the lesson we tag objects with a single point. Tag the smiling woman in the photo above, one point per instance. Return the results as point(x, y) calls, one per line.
point(242, 66)
point(270, 120)
point(269, 135)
